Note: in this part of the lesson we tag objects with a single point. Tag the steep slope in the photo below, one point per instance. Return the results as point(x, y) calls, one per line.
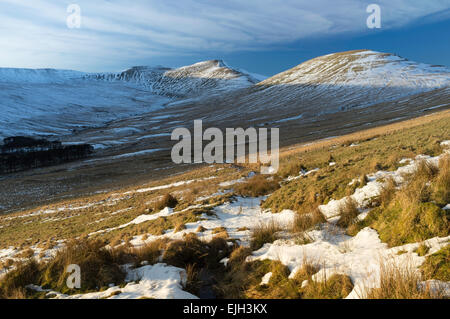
point(138, 108)
point(335, 83)
point(360, 78)
point(57, 102)
point(203, 78)
point(38, 103)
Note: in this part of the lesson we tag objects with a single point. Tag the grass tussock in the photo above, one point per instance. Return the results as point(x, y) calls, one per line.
point(243, 280)
point(411, 213)
point(27, 253)
point(307, 221)
point(401, 283)
point(348, 212)
point(437, 265)
point(150, 252)
point(293, 167)
point(13, 283)
point(166, 201)
point(441, 185)
point(307, 270)
point(422, 250)
point(238, 256)
point(191, 250)
point(257, 185)
point(417, 187)
point(100, 266)
point(264, 233)
point(338, 286)
point(387, 192)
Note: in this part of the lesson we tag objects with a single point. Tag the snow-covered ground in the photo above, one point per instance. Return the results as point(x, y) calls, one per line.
point(329, 247)
point(359, 257)
point(159, 281)
point(374, 186)
point(237, 217)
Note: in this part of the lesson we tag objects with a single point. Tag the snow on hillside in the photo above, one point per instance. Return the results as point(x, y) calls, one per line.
point(158, 281)
point(57, 107)
point(55, 102)
point(50, 102)
point(13, 75)
point(203, 78)
point(360, 78)
point(358, 257)
point(330, 84)
point(364, 68)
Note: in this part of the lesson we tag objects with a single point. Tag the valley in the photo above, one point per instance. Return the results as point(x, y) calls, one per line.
point(359, 207)
point(305, 103)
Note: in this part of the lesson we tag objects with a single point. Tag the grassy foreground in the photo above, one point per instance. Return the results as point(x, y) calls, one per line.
point(337, 167)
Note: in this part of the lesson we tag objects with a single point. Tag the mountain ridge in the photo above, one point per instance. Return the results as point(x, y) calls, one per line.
point(216, 92)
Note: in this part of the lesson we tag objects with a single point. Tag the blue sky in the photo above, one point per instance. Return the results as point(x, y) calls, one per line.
point(261, 36)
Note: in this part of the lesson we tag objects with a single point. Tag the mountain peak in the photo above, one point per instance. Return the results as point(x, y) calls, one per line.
point(364, 67)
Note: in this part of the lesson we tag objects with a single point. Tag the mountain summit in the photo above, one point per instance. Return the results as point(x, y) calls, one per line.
point(345, 87)
point(202, 78)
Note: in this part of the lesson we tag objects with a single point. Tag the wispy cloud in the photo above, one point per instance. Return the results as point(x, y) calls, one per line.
point(116, 32)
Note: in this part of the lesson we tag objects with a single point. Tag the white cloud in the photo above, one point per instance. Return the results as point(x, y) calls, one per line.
point(34, 33)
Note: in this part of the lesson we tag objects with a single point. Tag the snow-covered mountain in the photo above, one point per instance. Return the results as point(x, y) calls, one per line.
point(43, 76)
point(337, 90)
point(203, 78)
point(55, 102)
point(358, 79)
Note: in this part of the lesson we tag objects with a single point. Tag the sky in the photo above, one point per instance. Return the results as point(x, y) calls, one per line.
point(260, 36)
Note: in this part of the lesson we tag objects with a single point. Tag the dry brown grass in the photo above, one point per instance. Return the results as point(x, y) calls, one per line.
point(292, 168)
point(437, 265)
point(307, 270)
point(264, 233)
point(348, 212)
point(27, 253)
point(387, 192)
point(257, 185)
point(401, 282)
point(13, 283)
point(306, 221)
point(150, 252)
point(7, 263)
point(218, 230)
point(338, 286)
point(200, 229)
point(179, 227)
point(100, 266)
point(166, 201)
point(441, 185)
point(193, 281)
point(238, 256)
point(192, 250)
point(417, 188)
